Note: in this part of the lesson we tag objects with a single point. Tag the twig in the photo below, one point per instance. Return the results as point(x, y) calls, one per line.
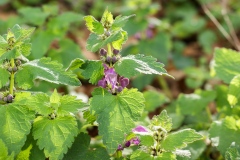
point(229, 24)
point(219, 26)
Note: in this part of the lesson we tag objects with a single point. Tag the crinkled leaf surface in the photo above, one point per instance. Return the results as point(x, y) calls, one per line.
point(93, 25)
point(140, 155)
point(63, 105)
point(233, 153)
point(92, 70)
point(44, 69)
point(94, 43)
point(234, 91)
point(163, 121)
point(227, 64)
point(118, 43)
point(4, 77)
point(14, 125)
point(107, 17)
point(180, 139)
point(4, 152)
point(55, 136)
point(116, 114)
point(133, 65)
point(224, 133)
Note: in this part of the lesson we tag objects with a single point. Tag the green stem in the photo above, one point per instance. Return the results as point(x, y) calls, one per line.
point(109, 49)
point(11, 78)
point(165, 87)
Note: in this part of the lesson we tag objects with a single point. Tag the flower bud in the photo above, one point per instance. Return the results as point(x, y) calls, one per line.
point(127, 144)
point(120, 147)
point(108, 59)
point(18, 62)
point(103, 52)
point(9, 98)
point(115, 51)
point(119, 89)
point(107, 33)
point(149, 33)
point(5, 99)
point(14, 69)
point(114, 59)
point(10, 69)
point(137, 36)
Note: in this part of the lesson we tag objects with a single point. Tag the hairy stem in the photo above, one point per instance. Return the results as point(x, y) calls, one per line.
point(11, 78)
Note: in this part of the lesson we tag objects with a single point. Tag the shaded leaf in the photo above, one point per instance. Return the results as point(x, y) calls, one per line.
point(4, 77)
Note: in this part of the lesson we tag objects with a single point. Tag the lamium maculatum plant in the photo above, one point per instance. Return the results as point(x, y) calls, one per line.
point(36, 125)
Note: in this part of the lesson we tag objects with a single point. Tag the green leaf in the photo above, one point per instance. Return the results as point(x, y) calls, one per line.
point(75, 64)
point(94, 42)
point(15, 125)
point(10, 54)
point(196, 149)
point(146, 140)
point(120, 21)
point(79, 147)
point(55, 98)
point(180, 139)
point(4, 77)
point(89, 117)
point(55, 136)
point(67, 52)
point(63, 105)
point(22, 34)
point(118, 44)
point(3, 42)
point(163, 121)
point(70, 104)
point(234, 91)
point(140, 155)
point(32, 15)
point(80, 150)
point(166, 156)
point(133, 65)
point(93, 25)
point(4, 152)
point(154, 99)
point(226, 64)
point(223, 133)
point(122, 109)
point(107, 18)
point(233, 153)
point(92, 70)
point(44, 69)
point(25, 49)
point(192, 104)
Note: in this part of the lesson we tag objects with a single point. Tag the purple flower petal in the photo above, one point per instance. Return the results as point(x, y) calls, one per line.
point(102, 83)
point(135, 141)
point(127, 144)
point(140, 129)
point(120, 147)
point(123, 81)
point(111, 77)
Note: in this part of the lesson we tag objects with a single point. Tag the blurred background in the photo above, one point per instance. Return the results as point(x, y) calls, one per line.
point(182, 34)
point(179, 33)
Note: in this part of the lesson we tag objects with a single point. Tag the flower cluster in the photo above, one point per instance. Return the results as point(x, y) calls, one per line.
point(111, 80)
point(134, 141)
